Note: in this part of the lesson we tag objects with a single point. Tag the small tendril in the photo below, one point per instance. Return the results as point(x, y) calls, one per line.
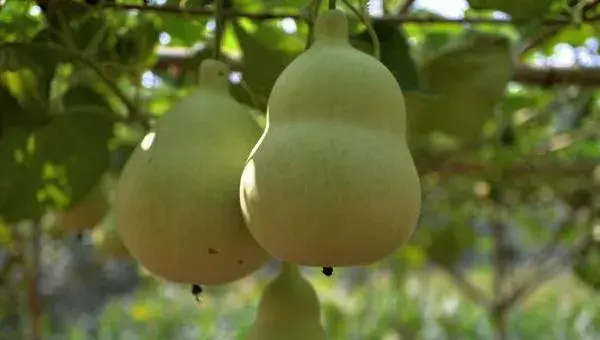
point(370, 30)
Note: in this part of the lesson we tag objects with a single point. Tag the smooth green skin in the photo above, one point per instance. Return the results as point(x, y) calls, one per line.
point(176, 203)
point(289, 309)
point(332, 181)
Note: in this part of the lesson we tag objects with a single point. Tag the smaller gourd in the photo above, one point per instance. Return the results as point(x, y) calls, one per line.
point(87, 213)
point(289, 309)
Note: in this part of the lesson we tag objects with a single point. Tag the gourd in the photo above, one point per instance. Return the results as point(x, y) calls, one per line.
point(332, 181)
point(289, 308)
point(176, 202)
point(87, 213)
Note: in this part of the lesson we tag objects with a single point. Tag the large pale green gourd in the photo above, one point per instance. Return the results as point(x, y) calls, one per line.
point(176, 203)
point(332, 181)
point(289, 309)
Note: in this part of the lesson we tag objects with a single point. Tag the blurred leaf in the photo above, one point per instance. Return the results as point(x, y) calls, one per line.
point(183, 32)
point(5, 234)
point(446, 244)
point(65, 158)
point(394, 51)
point(11, 112)
point(31, 93)
point(267, 51)
point(21, 194)
point(517, 9)
point(90, 35)
point(34, 64)
point(575, 36)
point(82, 147)
point(586, 267)
point(434, 42)
point(136, 45)
point(464, 81)
point(12, 139)
point(61, 13)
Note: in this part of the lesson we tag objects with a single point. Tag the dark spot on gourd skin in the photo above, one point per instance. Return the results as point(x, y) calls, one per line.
point(240, 262)
point(328, 271)
point(212, 251)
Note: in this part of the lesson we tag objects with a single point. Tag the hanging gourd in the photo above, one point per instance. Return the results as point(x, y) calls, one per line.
point(331, 181)
point(176, 203)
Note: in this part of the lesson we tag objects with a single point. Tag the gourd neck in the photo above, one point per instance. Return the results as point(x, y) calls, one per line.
point(331, 25)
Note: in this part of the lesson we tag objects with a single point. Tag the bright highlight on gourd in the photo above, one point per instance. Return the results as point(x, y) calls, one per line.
point(176, 203)
point(332, 181)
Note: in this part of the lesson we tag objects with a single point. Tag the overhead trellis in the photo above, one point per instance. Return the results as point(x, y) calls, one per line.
point(523, 73)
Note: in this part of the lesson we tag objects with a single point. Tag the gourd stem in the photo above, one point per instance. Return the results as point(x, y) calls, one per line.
point(219, 28)
point(288, 268)
point(332, 4)
point(370, 30)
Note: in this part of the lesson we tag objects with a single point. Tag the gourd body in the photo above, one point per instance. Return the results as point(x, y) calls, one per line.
point(332, 181)
point(289, 308)
point(176, 203)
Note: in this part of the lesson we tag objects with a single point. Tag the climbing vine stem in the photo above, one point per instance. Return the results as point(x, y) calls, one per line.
point(332, 4)
point(370, 29)
point(313, 11)
point(219, 28)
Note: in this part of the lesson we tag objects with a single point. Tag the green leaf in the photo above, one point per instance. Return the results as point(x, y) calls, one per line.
point(35, 63)
point(267, 50)
point(79, 97)
point(21, 164)
point(91, 35)
point(11, 112)
point(464, 81)
point(31, 92)
point(183, 32)
point(394, 51)
point(136, 45)
point(586, 267)
point(58, 164)
point(77, 144)
point(517, 9)
point(252, 5)
point(12, 139)
point(62, 12)
point(5, 234)
point(78, 140)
